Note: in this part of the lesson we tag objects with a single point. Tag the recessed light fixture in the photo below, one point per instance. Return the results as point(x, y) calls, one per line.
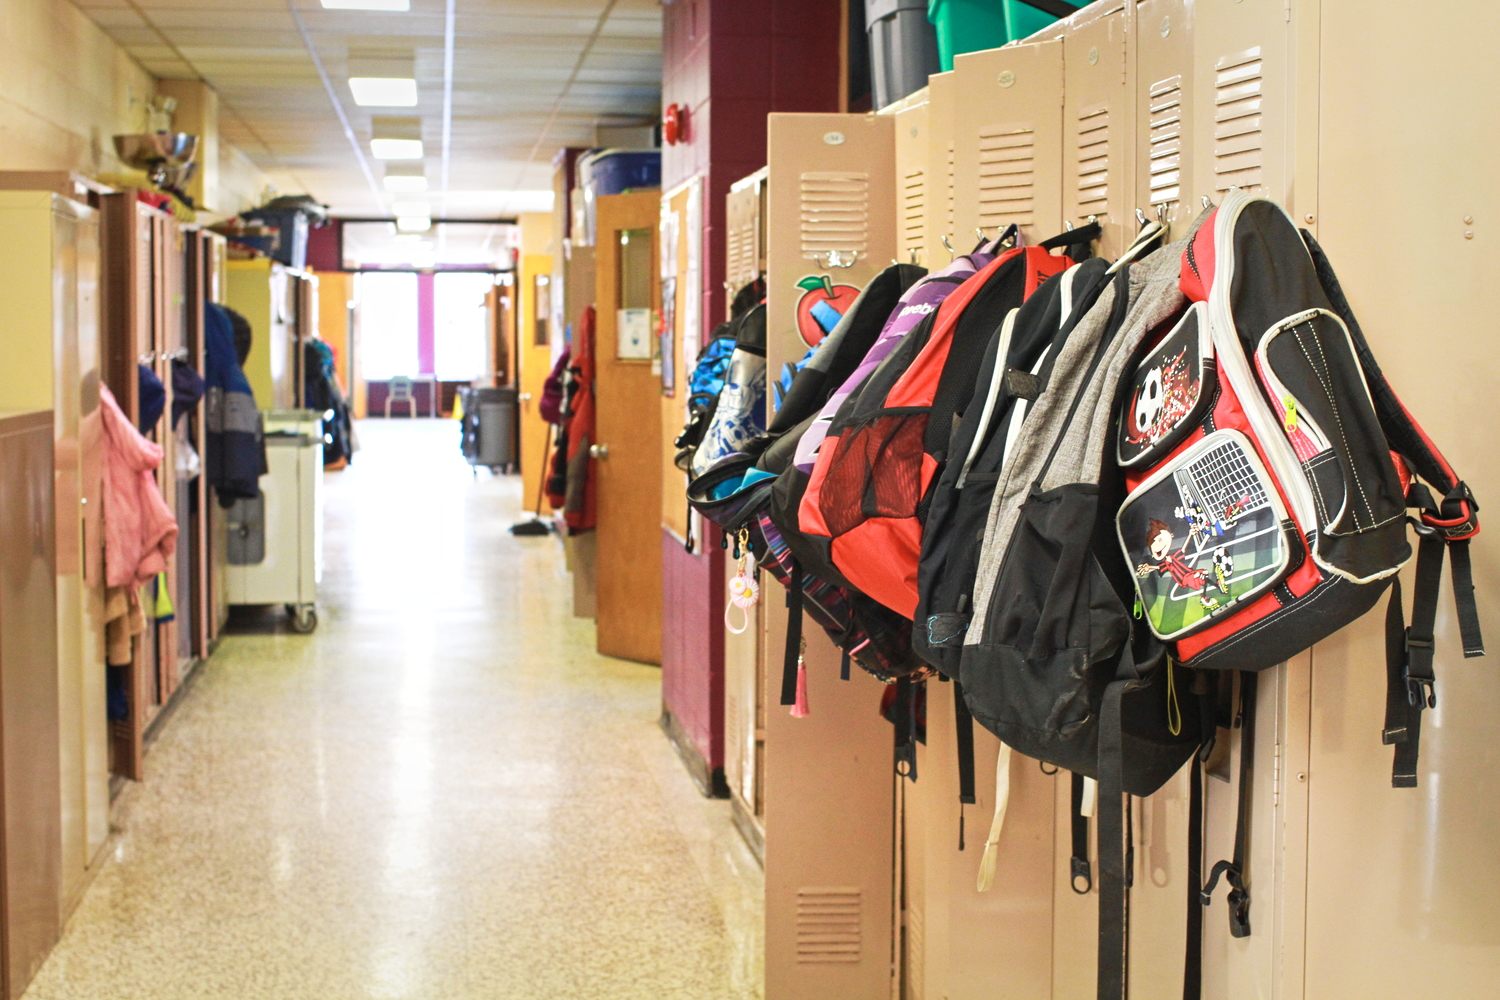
point(396, 138)
point(383, 91)
point(413, 224)
point(397, 5)
point(405, 183)
point(396, 149)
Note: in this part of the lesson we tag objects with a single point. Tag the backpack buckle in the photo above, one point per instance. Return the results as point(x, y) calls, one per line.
point(1420, 681)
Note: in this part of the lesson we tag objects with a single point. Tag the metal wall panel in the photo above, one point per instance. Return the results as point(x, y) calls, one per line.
point(1098, 166)
point(828, 777)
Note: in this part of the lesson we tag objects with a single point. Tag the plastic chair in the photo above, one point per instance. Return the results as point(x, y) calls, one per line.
point(399, 391)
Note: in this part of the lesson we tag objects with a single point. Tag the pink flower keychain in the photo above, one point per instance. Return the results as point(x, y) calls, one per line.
point(744, 592)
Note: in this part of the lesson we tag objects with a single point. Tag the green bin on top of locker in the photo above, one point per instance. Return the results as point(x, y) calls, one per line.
point(974, 25)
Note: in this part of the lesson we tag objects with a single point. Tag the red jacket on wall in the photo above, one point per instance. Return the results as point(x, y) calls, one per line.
point(579, 500)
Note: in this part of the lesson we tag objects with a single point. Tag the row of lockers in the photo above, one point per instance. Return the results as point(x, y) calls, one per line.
point(1145, 109)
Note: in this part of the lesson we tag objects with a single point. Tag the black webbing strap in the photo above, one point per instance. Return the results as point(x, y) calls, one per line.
point(1080, 237)
point(843, 664)
point(1079, 863)
point(963, 727)
point(793, 636)
point(1236, 869)
point(1410, 681)
point(1192, 966)
point(1109, 817)
point(901, 716)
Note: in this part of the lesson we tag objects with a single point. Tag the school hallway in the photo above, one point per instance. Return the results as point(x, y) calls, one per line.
point(443, 792)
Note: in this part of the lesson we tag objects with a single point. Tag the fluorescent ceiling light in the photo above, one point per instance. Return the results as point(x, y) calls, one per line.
point(413, 224)
point(396, 149)
point(405, 183)
point(367, 4)
point(383, 91)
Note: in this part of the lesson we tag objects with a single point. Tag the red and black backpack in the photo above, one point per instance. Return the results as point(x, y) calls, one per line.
point(867, 498)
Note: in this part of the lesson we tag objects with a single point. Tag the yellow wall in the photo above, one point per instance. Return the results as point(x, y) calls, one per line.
point(247, 290)
point(534, 362)
point(26, 346)
point(66, 89)
point(335, 288)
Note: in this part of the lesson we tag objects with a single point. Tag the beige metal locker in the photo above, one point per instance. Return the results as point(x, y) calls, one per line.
point(1098, 167)
point(1403, 893)
point(745, 257)
point(744, 659)
point(1008, 141)
point(941, 114)
point(1242, 117)
point(1164, 78)
point(828, 777)
point(915, 189)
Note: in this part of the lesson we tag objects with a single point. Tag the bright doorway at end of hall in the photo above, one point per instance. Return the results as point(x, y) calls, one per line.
point(433, 328)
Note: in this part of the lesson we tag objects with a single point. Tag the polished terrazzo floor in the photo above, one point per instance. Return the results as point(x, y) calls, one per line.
point(443, 794)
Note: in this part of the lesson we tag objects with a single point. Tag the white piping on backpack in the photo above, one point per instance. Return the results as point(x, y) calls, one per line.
point(997, 378)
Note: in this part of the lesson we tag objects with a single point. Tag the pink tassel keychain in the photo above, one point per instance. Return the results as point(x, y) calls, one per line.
point(799, 708)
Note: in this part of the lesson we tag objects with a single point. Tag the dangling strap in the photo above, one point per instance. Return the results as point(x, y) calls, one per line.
point(963, 724)
point(793, 636)
point(991, 856)
point(843, 664)
point(1192, 967)
point(1109, 814)
point(964, 727)
point(1080, 869)
point(1236, 869)
point(901, 716)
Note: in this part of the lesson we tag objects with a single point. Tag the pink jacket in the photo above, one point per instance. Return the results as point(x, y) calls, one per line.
point(140, 533)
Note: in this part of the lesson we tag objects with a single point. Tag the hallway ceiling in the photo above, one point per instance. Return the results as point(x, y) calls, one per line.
point(529, 76)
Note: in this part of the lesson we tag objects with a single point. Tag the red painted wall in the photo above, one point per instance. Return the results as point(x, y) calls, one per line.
point(730, 63)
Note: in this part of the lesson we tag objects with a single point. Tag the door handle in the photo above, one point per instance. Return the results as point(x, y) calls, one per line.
point(598, 451)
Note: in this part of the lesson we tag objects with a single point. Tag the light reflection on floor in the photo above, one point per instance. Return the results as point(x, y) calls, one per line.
point(443, 793)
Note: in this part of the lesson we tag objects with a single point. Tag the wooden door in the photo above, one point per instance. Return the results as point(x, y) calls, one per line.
point(627, 393)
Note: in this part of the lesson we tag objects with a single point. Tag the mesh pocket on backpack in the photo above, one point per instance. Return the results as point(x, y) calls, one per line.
point(876, 471)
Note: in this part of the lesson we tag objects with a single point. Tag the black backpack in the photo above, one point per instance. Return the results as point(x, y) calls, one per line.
point(986, 424)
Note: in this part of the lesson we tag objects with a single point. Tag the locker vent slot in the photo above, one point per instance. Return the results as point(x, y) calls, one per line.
point(835, 212)
point(741, 266)
point(828, 922)
point(1166, 140)
point(1007, 175)
point(913, 212)
point(1237, 120)
point(1093, 161)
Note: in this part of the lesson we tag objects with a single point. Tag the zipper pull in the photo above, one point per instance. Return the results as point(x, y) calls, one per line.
point(1138, 609)
point(1290, 420)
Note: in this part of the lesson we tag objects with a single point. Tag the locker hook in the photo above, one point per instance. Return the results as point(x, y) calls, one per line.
point(147, 358)
point(949, 247)
point(1068, 225)
point(1206, 203)
point(1141, 216)
point(836, 259)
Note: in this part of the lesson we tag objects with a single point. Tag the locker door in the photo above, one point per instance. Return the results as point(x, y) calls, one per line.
point(1098, 129)
point(1008, 139)
point(1164, 186)
point(914, 185)
point(828, 777)
point(1402, 885)
point(1242, 117)
point(746, 234)
point(941, 112)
